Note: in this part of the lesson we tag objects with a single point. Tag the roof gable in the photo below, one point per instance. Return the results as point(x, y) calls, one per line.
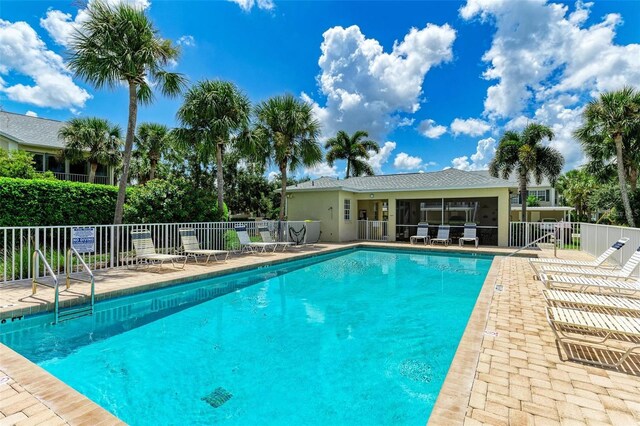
point(32, 131)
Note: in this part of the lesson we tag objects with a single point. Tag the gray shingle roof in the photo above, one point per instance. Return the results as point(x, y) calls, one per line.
point(443, 179)
point(532, 183)
point(33, 131)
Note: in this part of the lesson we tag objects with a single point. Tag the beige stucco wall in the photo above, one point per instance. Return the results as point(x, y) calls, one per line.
point(319, 205)
point(315, 204)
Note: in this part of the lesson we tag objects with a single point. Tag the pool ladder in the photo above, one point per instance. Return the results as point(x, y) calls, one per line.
point(69, 313)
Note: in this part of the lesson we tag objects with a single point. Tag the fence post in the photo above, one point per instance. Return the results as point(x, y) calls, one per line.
point(111, 246)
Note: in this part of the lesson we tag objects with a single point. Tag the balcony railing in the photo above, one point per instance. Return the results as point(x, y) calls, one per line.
point(73, 177)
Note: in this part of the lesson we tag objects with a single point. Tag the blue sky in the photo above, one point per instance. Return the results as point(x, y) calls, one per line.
point(435, 82)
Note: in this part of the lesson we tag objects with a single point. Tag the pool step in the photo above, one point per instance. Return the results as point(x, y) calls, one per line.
point(69, 314)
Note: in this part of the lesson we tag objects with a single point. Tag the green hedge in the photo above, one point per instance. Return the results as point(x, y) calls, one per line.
point(39, 202)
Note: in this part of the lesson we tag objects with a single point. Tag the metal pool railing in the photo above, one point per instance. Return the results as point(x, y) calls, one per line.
point(112, 245)
point(566, 235)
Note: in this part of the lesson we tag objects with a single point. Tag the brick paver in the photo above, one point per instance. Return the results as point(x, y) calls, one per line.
point(520, 377)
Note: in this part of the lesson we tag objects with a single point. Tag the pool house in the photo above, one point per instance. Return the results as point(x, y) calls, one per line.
point(389, 207)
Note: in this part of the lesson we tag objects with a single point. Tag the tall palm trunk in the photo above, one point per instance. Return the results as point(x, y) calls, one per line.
point(633, 179)
point(348, 168)
point(623, 182)
point(523, 195)
point(126, 158)
point(153, 163)
point(93, 167)
point(283, 190)
point(219, 177)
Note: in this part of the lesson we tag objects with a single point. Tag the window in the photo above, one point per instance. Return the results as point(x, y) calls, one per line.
point(53, 164)
point(347, 209)
point(38, 160)
point(540, 194)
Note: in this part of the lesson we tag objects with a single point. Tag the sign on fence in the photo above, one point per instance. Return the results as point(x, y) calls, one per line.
point(83, 239)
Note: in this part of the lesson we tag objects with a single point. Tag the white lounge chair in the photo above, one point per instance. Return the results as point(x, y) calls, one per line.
point(470, 234)
point(589, 301)
point(625, 272)
point(191, 246)
point(267, 238)
point(254, 247)
point(572, 326)
point(422, 234)
point(536, 263)
point(584, 284)
point(146, 251)
point(443, 235)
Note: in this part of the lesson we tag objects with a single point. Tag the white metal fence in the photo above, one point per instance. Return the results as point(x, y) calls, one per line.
point(113, 244)
point(565, 234)
point(74, 177)
point(373, 230)
point(598, 238)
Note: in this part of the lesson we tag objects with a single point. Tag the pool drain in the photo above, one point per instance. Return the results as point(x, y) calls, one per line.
point(218, 397)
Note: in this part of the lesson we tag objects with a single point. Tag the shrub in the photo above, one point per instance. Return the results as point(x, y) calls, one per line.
point(42, 202)
point(16, 164)
point(161, 201)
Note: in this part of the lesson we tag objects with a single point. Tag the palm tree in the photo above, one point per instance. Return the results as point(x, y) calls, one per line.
point(214, 113)
point(289, 134)
point(353, 149)
point(152, 140)
point(577, 187)
point(91, 139)
point(613, 120)
point(525, 154)
point(118, 45)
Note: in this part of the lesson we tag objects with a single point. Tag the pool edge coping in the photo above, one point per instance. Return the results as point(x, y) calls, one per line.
point(453, 399)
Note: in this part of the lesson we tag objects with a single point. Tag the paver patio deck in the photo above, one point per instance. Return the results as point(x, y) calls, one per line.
point(515, 377)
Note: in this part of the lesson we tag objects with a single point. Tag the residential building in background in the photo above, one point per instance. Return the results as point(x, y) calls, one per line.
point(39, 136)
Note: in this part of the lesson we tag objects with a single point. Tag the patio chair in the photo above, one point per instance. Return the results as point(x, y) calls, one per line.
point(625, 272)
point(591, 301)
point(267, 238)
point(584, 284)
point(254, 247)
point(572, 326)
point(146, 250)
point(422, 234)
point(191, 246)
point(470, 234)
point(597, 263)
point(443, 235)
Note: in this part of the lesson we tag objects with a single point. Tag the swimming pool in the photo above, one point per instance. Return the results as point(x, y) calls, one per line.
point(363, 336)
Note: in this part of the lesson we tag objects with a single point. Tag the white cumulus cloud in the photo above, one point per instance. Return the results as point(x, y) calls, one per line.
point(540, 51)
point(61, 25)
point(404, 161)
point(23, 52)
point(470, 126)
point(377, 160)
point(247, 5)
point(322, 169)
point(429, 129)
point(31, 114)
point(186, 40)
point(365, 87)
point(485, 150)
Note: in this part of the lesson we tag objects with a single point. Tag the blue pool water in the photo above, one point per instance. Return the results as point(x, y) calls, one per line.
point(361, 337)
